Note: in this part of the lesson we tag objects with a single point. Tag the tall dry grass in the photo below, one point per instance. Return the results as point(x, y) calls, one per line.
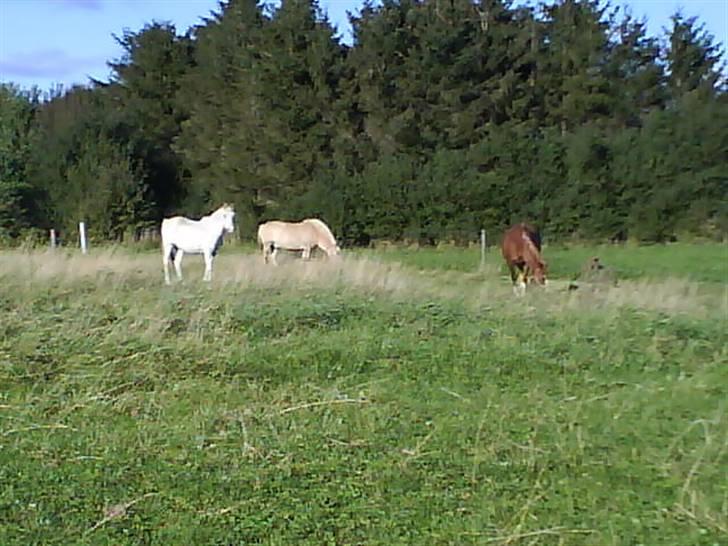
point(112, 266)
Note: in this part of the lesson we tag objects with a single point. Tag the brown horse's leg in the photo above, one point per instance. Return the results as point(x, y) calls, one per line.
point(513, 268)
point(514, 272)
point(518, 276)
point(521, 286)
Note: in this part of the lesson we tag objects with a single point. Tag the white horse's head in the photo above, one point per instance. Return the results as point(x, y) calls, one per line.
point(226, 213)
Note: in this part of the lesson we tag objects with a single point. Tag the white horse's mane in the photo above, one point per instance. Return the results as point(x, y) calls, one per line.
point(225, 208)
point(222, 211)
point(323, 228)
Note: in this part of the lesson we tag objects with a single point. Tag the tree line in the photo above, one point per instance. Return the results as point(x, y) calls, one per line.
point(441, 117)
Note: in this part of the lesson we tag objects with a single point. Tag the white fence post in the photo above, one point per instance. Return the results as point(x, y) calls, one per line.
point(82, 231)
point(54, 240)
point(482, 248)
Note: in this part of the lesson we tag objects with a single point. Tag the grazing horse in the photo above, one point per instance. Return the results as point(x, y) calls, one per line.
point(305, 236)
point(203, 236)
point(521, 250)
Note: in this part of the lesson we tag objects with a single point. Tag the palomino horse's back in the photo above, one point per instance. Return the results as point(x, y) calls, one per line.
point(304, 236)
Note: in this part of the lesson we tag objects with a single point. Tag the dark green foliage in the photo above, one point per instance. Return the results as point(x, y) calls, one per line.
point(571, 69)
point(441, 118)
point(106, 189)
point(637, 79)
point(146, 107)
point(89, 173)
point(217, 143)
point(16, 130)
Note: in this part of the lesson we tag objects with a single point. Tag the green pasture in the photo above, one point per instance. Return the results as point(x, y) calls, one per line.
point(394, 397)
point(697, 262)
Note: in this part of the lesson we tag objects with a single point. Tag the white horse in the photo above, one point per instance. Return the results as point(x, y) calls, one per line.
point(305, 236)
point(203, 236)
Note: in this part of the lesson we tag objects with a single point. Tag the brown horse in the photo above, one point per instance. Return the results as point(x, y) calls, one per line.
point(521, 248)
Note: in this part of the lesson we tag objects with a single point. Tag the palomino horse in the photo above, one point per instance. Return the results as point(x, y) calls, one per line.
point(305, 236)
point(521, 250)
point(203, 236)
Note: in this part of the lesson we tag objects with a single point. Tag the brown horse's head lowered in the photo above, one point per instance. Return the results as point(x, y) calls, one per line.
point(521, 250)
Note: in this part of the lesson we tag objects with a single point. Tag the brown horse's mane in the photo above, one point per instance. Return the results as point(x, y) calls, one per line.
point(533, 257)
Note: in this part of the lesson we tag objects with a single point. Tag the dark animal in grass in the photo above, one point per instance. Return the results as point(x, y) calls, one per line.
point(595, 274)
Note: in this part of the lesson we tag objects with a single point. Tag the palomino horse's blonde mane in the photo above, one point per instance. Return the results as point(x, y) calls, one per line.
point(323, 229)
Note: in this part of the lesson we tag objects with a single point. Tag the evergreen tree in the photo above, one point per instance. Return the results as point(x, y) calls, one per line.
point(637, 78)
point(264, 118)
point(296, 85)
point(144, 103)
point(693, 59)
point(218, 142)
point(442, 117)
point(573, 63)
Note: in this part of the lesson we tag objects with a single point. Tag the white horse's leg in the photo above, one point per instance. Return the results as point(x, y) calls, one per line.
point(166, 251)
point(306, 255)
point(273, 255)
point(178, 263)
point(207, 276)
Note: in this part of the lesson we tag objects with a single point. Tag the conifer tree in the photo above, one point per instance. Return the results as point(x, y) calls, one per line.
point(693, 59)
point(144, 100)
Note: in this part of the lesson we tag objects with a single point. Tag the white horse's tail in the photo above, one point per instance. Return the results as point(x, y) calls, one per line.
point(168, 249)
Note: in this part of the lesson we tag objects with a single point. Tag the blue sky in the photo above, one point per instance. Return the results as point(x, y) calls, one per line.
point(46, 42)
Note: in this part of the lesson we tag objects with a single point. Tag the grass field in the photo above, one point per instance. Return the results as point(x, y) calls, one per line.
point(396, 397)
point(705, 262)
